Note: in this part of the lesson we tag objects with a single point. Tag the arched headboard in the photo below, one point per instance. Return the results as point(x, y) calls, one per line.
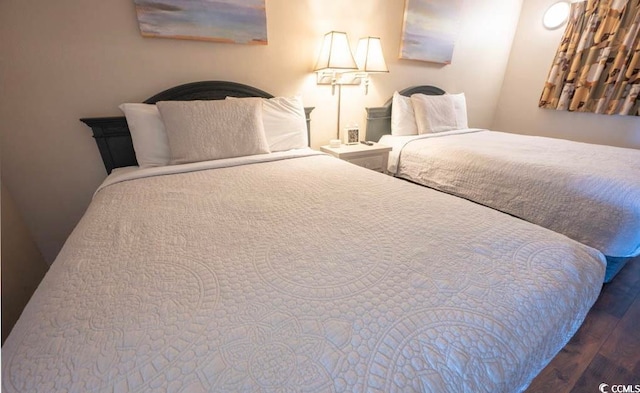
point(379, 118)
point(112, 133)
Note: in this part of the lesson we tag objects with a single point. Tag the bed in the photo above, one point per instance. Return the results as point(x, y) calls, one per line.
point(588, 192)
point(295, 271)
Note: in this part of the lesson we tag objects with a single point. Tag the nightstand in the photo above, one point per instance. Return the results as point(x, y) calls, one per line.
point(371, 157)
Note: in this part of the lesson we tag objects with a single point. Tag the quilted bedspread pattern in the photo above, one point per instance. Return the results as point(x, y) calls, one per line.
point(298, 275)
point(590, 193)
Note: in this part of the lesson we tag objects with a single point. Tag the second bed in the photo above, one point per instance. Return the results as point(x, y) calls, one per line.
point(588, 192)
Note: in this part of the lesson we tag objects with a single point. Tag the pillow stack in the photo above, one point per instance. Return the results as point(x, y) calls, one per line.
point(424, 114)
point(179, 132)
point(285, 123)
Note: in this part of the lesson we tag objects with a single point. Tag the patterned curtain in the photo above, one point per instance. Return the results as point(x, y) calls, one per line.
point(597, 66)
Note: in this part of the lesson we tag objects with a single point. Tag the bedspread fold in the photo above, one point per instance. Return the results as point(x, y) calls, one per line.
point(590, 193)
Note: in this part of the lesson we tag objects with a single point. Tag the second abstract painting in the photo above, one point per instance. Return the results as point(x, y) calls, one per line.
point(430, 29)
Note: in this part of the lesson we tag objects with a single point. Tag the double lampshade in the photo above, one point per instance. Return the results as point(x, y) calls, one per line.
point(336, 55)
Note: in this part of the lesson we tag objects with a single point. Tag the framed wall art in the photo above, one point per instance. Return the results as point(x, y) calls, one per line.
point(231, 21)
point(430, 29)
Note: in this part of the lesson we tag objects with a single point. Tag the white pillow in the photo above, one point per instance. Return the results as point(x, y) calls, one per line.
point(439, 113)
point(460, 107)
point(285, 123)
point(403, 120)
point(148, 134)
point(212, 130)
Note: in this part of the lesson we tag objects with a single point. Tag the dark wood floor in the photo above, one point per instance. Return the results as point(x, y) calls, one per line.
point(606, 348)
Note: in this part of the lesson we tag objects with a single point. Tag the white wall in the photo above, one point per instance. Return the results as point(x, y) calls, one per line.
point(22, 264)
point(67, 59)
point(532, 54)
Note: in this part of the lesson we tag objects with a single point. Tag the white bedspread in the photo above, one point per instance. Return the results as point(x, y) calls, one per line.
point(590, 193)
point(304, 274)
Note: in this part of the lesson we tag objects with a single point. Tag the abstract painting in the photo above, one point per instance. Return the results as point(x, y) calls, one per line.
point(430, 29)
point(231, 21)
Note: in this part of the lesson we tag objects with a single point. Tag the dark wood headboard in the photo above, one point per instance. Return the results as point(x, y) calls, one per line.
point(379, 118)
point(112, 133)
